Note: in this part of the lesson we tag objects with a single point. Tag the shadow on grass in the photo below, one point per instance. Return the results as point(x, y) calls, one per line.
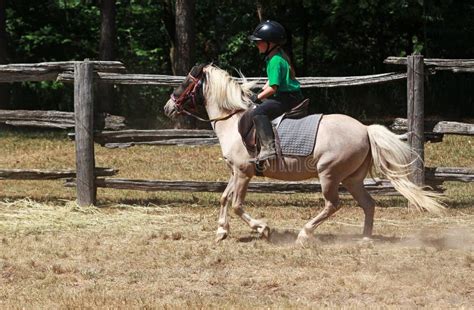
point(285, 237)
point(442, 242)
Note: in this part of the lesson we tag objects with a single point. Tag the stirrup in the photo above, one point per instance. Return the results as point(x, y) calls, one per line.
point(267, 157)
point(259, 159)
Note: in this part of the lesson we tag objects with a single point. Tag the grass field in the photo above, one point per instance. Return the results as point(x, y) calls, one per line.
point(157, 250)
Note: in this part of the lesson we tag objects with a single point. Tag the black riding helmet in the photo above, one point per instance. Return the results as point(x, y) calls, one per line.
point(269, 31)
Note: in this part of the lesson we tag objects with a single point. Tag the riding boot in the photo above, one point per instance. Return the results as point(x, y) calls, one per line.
point(265, 135)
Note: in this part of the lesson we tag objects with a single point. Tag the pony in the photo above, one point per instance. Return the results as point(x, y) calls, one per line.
point(345, 152)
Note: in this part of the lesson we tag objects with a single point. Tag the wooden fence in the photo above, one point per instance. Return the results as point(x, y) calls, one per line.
point(85, 74)
point(416, 65)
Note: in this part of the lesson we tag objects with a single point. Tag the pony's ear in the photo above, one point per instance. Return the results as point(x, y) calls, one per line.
point(197, 69)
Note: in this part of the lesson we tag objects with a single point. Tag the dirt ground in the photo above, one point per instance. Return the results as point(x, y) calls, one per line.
point(156, 250)
point(155, 257)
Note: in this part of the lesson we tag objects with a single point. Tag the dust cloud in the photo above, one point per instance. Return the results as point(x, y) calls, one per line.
point(461, 238)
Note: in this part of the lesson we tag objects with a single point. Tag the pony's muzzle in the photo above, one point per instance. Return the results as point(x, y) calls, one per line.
point(170, 109)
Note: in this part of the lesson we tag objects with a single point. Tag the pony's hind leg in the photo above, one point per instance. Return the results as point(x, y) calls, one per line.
point(240, 190)
point(331, 196)
point(355, 185)
point(362, 196)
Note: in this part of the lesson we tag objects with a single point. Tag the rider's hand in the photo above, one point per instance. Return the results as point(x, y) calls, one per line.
point(254, 98)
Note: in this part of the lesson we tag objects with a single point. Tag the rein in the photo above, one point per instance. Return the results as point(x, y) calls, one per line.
point(212, 120)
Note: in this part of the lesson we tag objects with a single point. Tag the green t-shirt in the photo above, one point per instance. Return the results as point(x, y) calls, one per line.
point(278, 72)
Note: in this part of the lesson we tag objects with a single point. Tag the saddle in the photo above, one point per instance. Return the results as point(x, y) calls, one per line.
point(247, 128)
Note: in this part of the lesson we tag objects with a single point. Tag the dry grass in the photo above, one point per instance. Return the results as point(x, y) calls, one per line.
point(163, 256)
point(156, 250)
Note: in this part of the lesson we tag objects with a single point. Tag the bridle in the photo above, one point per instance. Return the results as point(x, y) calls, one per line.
point(191, 92)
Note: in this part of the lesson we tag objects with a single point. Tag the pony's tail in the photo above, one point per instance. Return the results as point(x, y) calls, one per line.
point(391, 156)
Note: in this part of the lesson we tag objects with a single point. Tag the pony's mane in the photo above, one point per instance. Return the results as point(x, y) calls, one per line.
point(225, 91)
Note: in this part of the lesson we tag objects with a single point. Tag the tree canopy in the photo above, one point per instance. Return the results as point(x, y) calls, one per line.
point(327, 38)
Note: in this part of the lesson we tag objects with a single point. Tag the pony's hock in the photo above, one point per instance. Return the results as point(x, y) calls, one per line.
point(345, 152)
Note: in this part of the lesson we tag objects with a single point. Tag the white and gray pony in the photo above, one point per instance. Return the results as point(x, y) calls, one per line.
point(344, 152)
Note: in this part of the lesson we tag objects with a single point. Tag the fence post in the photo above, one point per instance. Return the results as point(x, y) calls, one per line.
point(416, 115)
point(84, 125)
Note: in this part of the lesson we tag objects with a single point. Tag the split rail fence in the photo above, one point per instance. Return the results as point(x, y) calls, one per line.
point(85, 74)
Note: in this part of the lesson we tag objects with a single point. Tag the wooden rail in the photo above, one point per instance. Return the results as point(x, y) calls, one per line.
point(434, 176)
point(41, 174)
point(177, 142)
point(439, 175)
point(49, 71)
point(306, 82)
point(454, 128)
point(434, 130)
point(53, 119)
point(455, 65)
point(127, 138)
point(377, 187)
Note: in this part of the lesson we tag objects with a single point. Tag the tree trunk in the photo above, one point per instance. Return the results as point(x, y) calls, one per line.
point(184, 42)
point(168, 19)
point(107, 51)
point(185, 36)
point(4, 88)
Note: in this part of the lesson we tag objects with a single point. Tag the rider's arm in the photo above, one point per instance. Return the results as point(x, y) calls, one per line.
point(267, 92)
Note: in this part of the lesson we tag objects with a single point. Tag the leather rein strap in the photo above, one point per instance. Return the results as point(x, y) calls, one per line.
point(212, 120)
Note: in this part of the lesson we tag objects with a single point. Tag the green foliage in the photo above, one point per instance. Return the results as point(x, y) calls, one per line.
point(142, 41)
point(327, 38)
point(47, 31)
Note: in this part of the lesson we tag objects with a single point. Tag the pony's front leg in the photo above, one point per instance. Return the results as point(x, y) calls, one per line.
point(223, 222)
point(240, 190)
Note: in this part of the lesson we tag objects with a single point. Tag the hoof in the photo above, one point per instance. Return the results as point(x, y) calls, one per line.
point(221, 235)
point(264, 232)
point(304, 239)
